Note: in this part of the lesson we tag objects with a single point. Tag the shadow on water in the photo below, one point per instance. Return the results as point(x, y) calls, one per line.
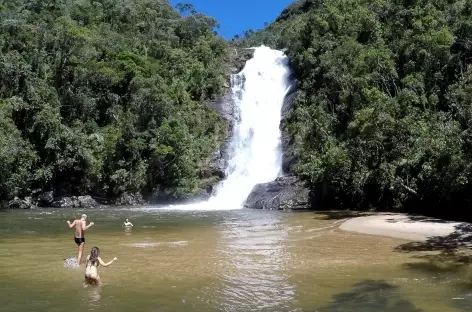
point(339, 215)
point(415, 218)
point(460, 238)
point(451, 252)
point(370, 296)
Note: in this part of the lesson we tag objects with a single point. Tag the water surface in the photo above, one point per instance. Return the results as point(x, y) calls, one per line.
point(239, 260)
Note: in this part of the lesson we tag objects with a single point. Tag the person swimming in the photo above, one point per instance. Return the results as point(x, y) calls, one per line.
point(127, 223)
point(91, 267)
point(79, 237)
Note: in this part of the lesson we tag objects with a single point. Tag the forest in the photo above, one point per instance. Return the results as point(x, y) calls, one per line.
point(107, 97)
point(382, 119)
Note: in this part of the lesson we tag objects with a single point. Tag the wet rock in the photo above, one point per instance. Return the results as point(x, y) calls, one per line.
point(218, 162)
point(64, 202)
point(285, 193)
point(130, 199)
point(46, 199)
point(18, 203)
point(86, 202)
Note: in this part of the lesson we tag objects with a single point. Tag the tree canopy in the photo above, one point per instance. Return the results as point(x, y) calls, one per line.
point(106, 96)
point(383, 116)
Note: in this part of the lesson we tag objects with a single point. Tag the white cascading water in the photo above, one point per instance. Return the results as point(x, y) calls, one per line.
point(255, 150)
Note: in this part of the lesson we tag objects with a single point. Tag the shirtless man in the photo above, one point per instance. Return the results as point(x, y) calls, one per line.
point(80, 228)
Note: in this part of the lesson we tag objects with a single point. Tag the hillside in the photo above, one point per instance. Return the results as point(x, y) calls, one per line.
point(107, 97)
point(382, 118)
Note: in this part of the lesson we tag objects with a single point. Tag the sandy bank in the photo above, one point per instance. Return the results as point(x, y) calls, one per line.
point(415, 228)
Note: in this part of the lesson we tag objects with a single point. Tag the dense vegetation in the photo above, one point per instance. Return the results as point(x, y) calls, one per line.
point(106, 96)
point(383, 116)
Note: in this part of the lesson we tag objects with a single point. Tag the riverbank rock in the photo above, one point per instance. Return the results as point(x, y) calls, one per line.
point(18, 203)
point(130, 199)
point(86, 202)
point(285, 193)
point(74, 202)
point(63, 202)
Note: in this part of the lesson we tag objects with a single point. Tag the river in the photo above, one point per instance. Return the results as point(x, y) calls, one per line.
point(229, 260)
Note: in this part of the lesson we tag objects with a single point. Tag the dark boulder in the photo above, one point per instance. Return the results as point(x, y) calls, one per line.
point(46, 199)
point(130, 199)
point(285, 193)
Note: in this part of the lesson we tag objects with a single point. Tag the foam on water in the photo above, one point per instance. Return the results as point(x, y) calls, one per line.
point(258, 92)
point(157, 244)
point(71, 262)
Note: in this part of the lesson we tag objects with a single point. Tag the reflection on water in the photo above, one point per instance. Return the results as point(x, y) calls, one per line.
point(238, 260)
point(93, 296)
point(255, 276)
point(127, 230)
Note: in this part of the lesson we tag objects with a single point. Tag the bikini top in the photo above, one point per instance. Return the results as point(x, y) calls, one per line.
point(91, 263)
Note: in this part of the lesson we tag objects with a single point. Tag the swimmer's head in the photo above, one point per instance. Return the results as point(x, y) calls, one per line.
point(84, 217)
point(127, 220)
point(94, 253)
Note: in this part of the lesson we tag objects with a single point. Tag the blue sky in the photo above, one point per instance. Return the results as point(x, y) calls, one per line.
point(238, 15)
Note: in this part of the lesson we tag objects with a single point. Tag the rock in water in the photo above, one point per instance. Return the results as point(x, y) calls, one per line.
point(285, 193)
point(71, 262)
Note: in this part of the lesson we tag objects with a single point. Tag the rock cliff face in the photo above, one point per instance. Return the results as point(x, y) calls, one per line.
point(224, 106)
point(288, 154)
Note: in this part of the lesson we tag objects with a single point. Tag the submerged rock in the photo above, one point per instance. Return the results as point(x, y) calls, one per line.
point(285, 193)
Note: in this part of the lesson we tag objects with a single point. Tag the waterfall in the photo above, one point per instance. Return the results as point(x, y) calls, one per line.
point(255, 155)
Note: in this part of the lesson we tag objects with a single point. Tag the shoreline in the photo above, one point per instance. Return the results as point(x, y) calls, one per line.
point(403, 226)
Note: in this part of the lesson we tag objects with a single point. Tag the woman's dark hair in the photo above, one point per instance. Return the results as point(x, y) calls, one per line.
point(94, 255)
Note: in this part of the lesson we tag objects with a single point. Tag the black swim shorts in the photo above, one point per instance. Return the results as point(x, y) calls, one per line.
point(79, 240)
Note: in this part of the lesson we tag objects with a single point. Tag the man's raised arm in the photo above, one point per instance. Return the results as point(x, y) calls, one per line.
point(71, 225)
point(86, 227)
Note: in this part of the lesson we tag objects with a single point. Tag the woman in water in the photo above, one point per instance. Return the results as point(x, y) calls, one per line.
point(91, 267)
